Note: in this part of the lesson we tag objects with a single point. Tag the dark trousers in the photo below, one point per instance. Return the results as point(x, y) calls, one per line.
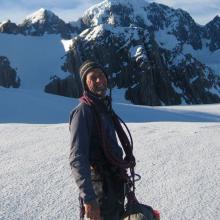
point(109, 189)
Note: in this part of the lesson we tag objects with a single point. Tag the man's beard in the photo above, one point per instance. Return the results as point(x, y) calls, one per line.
point(101, 90)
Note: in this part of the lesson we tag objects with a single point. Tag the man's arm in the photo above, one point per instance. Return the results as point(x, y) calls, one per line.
point(80, 130)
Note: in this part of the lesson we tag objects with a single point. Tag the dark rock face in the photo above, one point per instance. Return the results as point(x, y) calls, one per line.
point(8, 76)
point(179, 23)
point(152, 75)
point(68, 87)
point(196, 83)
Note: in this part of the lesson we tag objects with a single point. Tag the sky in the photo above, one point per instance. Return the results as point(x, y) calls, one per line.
point(69, 10)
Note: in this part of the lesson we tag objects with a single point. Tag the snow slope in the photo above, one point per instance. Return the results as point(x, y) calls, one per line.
point(40, 61)
point(177, 150)
point(26, 106)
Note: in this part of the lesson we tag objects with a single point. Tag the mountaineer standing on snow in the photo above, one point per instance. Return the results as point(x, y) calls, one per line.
point(96, 159)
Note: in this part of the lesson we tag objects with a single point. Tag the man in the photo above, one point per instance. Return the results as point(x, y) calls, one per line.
point(96, 159)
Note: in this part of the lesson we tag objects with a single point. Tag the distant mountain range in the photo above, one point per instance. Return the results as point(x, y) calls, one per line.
point(39, 23)
point(159, 54)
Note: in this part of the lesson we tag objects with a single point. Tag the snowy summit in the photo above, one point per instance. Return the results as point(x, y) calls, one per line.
point(101, 10)
point(40, 16)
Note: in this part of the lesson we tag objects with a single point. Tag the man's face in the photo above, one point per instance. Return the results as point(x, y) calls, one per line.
point(96, 82)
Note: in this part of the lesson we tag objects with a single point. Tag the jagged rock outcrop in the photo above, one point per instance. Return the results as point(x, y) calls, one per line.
point(8, 76)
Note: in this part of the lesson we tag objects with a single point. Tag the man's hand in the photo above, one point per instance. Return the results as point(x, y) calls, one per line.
point(92, 210)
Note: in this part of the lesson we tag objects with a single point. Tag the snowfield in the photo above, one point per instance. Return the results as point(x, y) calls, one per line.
point(177, 150)
point(36, 59)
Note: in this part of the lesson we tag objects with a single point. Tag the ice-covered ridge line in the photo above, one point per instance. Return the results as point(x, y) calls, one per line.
point(95, 32)
point(125, 32)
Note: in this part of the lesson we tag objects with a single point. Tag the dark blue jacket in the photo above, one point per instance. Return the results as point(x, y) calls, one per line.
point(86, 149)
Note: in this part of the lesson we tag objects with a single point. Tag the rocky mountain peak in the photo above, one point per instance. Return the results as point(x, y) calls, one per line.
point(149, 16)
point(120, 12)
point(137, 12)
point(44, 21)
